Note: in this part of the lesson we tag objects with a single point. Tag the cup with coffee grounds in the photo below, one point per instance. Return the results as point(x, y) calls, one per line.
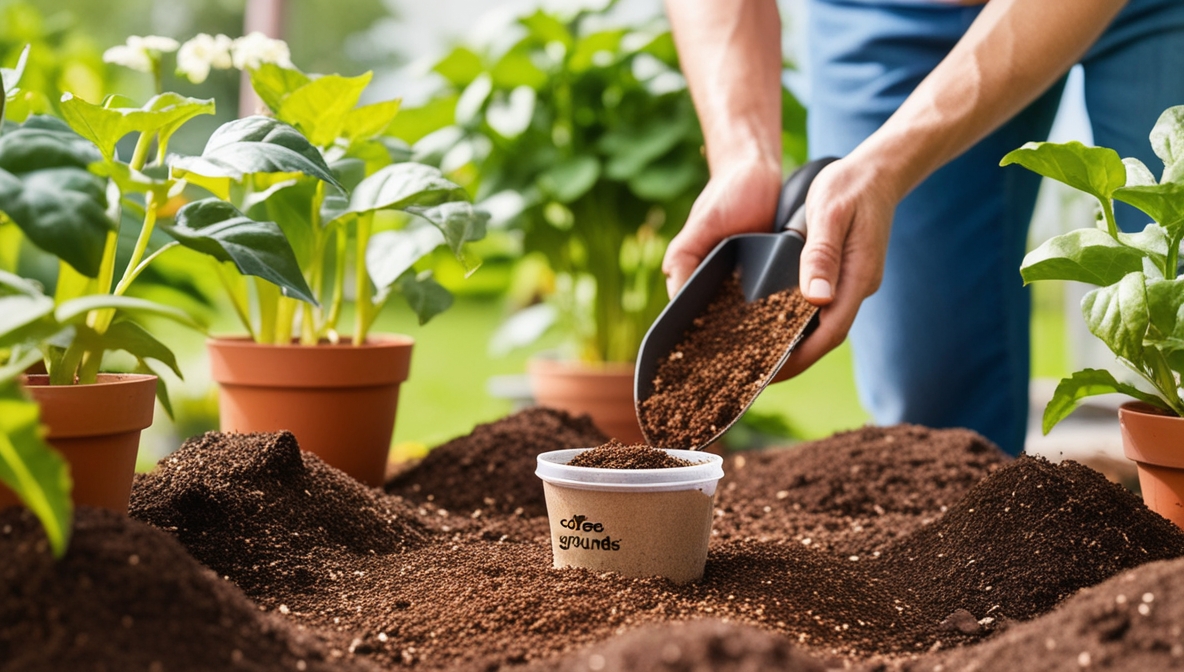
point(633, 510)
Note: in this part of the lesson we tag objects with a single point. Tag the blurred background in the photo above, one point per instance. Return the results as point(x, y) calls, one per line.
point(468, 363)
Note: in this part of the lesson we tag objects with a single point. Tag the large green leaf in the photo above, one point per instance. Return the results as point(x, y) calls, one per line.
point(275, 83)
point(632, 149)
point(401, 185)
point(569, 179)
point(1118, 314)
point(459, 221)
point(1167, 139)
point(217, 228)
point(256, 145)
point(424, 295)
point(75, 310)
point(32, 469)
point(131, 338)
point(460, 67)
point(320, 108)
point(667, 179)
point(1084, 255)
point(104, 126)
point(1152, 241)
point(369, 121)
point(1094, 170)
point(1088, 383)
point(1163, 202)
point(23, 317)
point(390, 254)
point(1165, 306)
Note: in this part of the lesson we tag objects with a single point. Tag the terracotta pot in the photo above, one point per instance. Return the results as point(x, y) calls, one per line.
point(603, 391)
point(1154, 439)
point(339, 400)
point(97, 429)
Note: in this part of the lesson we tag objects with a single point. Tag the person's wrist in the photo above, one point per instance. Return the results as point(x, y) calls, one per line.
point(746, 154)
point(889, 162)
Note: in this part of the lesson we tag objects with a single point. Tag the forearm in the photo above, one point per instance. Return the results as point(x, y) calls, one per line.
point(731, 55)
point(1011, 54)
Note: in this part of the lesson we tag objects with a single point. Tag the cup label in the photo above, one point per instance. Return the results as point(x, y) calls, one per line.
point(579, 523)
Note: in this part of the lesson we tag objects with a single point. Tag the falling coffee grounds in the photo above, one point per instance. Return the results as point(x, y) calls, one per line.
point(721, 364)
point(616, 455)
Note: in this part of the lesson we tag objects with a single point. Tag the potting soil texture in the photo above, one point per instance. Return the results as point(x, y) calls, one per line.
point(719, 367)
point(616, 455)
point(473, 588)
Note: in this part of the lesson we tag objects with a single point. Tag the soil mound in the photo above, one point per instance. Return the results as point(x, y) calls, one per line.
point(1133, 621)
point(1026, 538)
point(254, 508)
point(616, 455)
point(128, 597)
point(854, 492)
point(492, 469)
point(707, 644)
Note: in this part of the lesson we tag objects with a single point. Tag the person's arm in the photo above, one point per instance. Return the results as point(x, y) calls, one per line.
point(1012, 52)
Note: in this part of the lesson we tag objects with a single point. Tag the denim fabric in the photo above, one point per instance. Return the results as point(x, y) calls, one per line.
point(945, 340)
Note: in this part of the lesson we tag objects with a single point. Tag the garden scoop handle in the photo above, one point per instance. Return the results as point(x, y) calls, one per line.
point(791, 204)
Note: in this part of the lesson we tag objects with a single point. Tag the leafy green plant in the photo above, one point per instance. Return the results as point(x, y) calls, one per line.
point(1136, 308)
point(583, 140)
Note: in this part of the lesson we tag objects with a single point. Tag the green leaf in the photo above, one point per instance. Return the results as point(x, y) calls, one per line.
point(400, 185)
point(1094, 170)
point(104, 126)
point(390, 254)
point(632, 149)
point(61, 210)
point(413, 124)
point(162, 390)
point(460, 67)
point(459, 221)
point(32, 469)
point(133, 339)
point(1152, 241)
point(1137, 173)
point(132, 181)
point(1167, 139)
point(1163, 202)
point(666, 180)
point(75, 310)
point(1084, 255)
point(1088, 383)
point(1118, 314)
point(23, 318)
point(274, 83)
point(215, 227)
point(369, 121)
point(424, 295)
point(256, 145)
point(547, 28)
point(10, 77)
point(1165, 298)
point(11, 283)
point(320, 108)
point(570, 179)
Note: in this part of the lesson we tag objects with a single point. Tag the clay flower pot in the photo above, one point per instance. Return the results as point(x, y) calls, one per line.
point(1154, 440)
point(339, 400)
point(96, 428)
point(635, 522)
point(603, 391)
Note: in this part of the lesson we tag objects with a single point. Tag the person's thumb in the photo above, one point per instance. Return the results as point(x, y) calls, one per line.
point(822, 256)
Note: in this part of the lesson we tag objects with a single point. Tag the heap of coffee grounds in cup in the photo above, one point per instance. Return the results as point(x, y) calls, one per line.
point(721, 365)
point(616, 455)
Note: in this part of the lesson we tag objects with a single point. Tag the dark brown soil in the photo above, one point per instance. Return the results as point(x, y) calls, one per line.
point(721, 364)
point(616, 455)
point(128, 597)
point(492, 469)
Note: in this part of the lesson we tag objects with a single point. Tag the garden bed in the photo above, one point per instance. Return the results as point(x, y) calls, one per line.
point(884, 548)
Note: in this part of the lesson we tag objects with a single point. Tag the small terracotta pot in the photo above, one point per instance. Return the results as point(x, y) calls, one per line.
point(339, 400)
point(603, 391)
point(97, 429)
point(1154, 440)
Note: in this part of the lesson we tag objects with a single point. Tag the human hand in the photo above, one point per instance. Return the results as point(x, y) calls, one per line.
point(740, 198)
point(848, 217)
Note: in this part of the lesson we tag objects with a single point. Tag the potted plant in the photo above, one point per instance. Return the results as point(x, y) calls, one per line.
point(339, 189)
point(1136, 308)
point(69, 191)
point(583, 140)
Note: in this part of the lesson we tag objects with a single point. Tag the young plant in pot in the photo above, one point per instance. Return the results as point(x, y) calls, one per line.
point(324, 171)
point(583, 140)
point(1137, 309)
point(71, 194)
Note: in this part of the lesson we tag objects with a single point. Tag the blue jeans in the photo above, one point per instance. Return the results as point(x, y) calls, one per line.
point(944, 342)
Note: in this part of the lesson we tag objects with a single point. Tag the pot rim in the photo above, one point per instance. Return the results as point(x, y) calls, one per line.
point(551, 363)
point(373, 342)
point(107, 379)
point(704, 474)
point(1150, 436)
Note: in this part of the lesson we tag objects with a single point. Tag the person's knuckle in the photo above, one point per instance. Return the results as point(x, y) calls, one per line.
point(822, 254)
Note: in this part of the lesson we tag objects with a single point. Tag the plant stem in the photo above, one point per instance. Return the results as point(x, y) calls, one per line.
point(269, 296)
point(285, 314)
point(361, 280)
point(133, 265)
point(338, 279)
point(1171, 266)
point(140, 154)
point(235, 289)
point(130, 275)
point(1108, 214)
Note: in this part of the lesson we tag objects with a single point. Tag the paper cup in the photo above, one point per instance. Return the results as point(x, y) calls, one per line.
point(635, 522)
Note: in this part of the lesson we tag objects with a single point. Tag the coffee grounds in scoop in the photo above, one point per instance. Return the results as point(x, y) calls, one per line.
point(616, 455)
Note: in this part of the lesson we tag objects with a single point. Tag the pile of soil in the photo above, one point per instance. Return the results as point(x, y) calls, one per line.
point(853, 493)
point(492, 469)
point(616, 455)
point(720, 365)
point(128, 597)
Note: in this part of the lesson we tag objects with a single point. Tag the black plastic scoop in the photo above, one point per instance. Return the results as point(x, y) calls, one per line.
point(766, 263)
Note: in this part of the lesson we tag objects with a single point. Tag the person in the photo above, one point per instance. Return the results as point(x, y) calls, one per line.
point(916, 228)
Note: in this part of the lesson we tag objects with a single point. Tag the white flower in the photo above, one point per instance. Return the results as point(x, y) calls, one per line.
point(203, 52)
point(140, 53)
point(251, 51)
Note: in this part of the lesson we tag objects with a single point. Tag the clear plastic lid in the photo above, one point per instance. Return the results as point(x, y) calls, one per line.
point(703, 474)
